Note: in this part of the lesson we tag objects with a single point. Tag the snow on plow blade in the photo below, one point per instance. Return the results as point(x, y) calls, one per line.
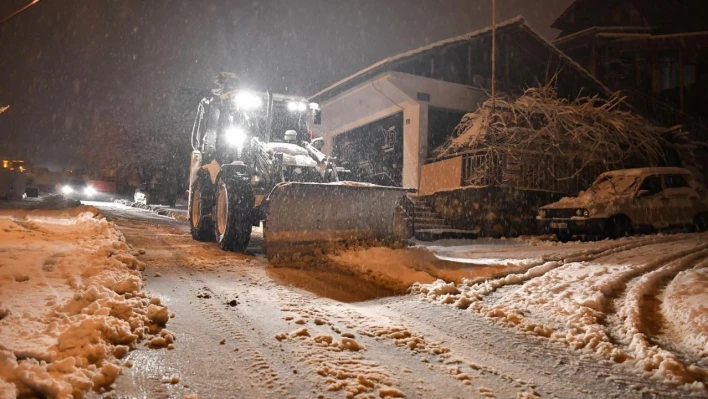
point(306, 217)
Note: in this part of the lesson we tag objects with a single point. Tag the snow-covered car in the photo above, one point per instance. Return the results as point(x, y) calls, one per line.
point(154, 193)
point(622, 202)
point(77, 189)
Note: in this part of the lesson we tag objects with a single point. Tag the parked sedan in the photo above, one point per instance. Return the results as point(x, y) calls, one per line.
point(154, 193)
point(621, 202)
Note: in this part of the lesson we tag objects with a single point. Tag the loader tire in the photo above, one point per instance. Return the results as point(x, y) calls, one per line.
point(200, 209)
point(232, 213)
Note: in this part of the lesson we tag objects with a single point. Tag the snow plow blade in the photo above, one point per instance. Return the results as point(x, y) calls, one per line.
point(305, 218)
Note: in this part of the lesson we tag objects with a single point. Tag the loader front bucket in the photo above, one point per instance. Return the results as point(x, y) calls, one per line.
point(311, 217)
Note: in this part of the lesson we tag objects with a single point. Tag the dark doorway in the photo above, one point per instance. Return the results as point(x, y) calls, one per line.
point(441, 123)
point(373, 153)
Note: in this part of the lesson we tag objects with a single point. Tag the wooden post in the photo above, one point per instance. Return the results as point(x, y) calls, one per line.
point(494, 48)
point(469, 63)
point(637, 72)
point(593, 59)
point(507, 66)
point(681, 79)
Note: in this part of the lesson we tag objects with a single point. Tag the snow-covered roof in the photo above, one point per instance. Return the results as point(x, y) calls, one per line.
point(598, 29)
point(660, 170)
point(642, 36)
point(517, 22)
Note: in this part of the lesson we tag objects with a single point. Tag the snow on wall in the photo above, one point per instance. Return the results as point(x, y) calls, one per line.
point(71, 304)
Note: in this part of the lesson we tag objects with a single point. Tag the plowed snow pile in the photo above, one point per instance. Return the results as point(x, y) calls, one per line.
point(641, 301)
point(71, 303)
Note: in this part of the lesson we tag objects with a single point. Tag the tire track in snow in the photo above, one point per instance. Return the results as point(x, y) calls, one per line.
point(259, 366)
point(584, 329)
point(555, 371)
point(633, 318)
point(177, 261)
point(553, 262)
point(335, 360)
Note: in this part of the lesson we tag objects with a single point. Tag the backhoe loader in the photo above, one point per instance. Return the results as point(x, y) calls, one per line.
point(254, 161)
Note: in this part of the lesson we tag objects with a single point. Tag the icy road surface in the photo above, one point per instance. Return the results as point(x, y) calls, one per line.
point(246, 329)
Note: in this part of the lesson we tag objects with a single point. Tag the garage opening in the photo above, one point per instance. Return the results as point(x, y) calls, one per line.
point(373, 153)
point(441, 124)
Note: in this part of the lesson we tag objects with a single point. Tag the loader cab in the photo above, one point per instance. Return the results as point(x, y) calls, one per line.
point(289, 114)
point(268, 116)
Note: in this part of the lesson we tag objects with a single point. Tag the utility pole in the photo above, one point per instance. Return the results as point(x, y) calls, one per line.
point(494, 51)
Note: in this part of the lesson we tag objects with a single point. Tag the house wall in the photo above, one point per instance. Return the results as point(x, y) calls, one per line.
point(386, 95)
point(439, 176)
point(493, 211)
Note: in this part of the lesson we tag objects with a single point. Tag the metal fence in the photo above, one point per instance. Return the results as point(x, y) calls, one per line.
point(530, 170)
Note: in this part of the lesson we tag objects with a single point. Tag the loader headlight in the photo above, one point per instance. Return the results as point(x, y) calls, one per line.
point(89, 191)
point(236, 137)
point(67, 189)
point(247, 100)
point(296, 106)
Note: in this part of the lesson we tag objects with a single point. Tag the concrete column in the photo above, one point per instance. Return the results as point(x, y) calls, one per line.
point(415, 142)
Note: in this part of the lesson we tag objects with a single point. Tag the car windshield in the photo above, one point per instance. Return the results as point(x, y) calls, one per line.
point(76, 183)
point(613, 184)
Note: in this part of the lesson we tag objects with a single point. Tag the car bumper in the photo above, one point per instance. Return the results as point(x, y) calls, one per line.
point(574, 226)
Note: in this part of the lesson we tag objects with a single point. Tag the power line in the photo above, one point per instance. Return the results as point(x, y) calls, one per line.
point(20, 10)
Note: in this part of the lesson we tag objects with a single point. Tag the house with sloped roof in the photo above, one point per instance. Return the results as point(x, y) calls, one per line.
point(655, 51)
point(383, 122)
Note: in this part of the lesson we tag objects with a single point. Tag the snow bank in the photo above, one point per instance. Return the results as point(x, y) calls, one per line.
point(685, 308)
point(603, 298)
point(71, 303)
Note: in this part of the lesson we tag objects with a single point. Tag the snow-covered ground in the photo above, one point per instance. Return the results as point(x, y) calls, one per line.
point(71, 303)
point(346, 326)
point(642, 300)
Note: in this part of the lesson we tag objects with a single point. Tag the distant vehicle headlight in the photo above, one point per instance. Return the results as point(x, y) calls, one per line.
point(67, 189)
point(586, 213)
point(297, 106)
point(90, 191)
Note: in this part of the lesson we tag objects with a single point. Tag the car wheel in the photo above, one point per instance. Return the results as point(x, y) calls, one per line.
point(700, 222)
point(563, 236)
point(620, 226)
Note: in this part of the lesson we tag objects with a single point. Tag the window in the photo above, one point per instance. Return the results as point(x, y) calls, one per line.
point(675, 181)
point(652, 184)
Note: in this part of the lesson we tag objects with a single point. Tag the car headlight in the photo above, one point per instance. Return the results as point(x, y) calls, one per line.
point(297, 106)
point(67, 189)
point(586, 213)
point(89, 190)
point(236, 136)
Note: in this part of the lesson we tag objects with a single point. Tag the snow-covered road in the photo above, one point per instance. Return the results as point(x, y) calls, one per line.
point(247, 329)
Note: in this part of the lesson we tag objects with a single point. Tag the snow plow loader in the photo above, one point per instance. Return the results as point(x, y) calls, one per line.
point(254, 161)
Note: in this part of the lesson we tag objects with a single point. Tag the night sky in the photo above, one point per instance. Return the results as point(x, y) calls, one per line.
point(67, 64)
